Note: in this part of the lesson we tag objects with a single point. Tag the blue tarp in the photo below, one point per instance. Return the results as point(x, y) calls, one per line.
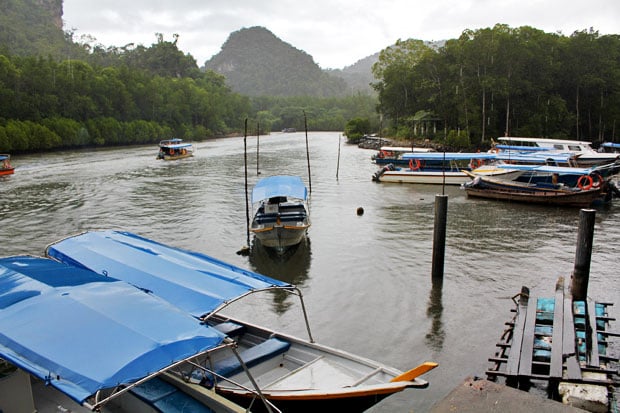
point(194, 282)
point(82, 332)
point(279, 185)
point(448, 156)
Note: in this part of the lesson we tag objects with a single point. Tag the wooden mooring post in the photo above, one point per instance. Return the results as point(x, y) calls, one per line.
point(439, 237)
point(583, 255)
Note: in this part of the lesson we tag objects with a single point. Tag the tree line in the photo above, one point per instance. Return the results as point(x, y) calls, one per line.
point(502, 81)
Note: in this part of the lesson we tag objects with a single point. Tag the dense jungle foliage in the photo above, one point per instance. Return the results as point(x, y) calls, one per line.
point(503, 81)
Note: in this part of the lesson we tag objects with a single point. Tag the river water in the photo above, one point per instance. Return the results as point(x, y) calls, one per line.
point(365, 278)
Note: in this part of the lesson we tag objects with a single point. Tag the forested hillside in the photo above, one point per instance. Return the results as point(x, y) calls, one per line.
point(256, 63)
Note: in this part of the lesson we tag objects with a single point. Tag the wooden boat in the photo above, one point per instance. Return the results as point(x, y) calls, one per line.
point(5, 165)
point(171, 149)
point(293, 374)
point(439, 168)
point(74, 340)
point(590, 189)
point(281, 217)
point(394, 154)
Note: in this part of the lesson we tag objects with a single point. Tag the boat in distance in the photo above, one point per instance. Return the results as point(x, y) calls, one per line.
point(171, 149)
point(281, 216)
point(291, 373)
point(5, 165)
point(74, 340)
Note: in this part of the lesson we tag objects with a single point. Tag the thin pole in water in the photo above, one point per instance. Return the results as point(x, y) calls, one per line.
point(257, 146)
point(439, 237)
point(307, 152)
point(338, 163)
point(246, 250)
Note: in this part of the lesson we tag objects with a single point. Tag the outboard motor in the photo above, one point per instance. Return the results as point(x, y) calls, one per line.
point(377, 175)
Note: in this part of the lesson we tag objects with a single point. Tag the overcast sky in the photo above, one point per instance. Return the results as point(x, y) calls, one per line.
point(335, 33)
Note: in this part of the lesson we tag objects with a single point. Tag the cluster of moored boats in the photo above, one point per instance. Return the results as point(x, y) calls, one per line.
point(112, 321)
point(544, 171)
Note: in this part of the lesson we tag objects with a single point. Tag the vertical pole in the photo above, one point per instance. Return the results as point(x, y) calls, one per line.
point(583, 255)
point(257, 146)
point(245, 163)
point(439, 236)
point(308, 153)
point(338, 163)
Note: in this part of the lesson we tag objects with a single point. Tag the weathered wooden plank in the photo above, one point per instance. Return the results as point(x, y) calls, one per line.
point(569, 346)
point(512, 367)
point(555, 371)
point(527, 343)
point(592, 357)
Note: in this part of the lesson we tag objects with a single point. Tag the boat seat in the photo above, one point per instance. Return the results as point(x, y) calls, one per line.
point(166, 398)
point(231, 329)
point(251, 356)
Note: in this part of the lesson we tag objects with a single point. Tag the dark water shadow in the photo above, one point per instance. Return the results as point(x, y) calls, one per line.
point(436, 336)
point(292, 266)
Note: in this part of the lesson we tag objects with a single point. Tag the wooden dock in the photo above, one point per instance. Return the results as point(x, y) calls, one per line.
point(561, 341)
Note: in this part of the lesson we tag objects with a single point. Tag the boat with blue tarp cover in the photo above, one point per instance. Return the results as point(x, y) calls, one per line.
point(439, 168)
point(90, 343)
point(5, 164)
point(281, 216)
point(171, 149)
point(294, 374)
point(545, 184)
point(394, 154)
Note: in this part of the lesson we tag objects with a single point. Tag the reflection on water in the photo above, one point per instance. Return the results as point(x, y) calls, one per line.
point(435, 337)
point(292, 266)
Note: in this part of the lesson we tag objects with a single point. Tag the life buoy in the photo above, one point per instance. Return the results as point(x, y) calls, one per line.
point(171, 151)
point(414, 166)
point(475, 163)
point(585, 182)
point(381, 155)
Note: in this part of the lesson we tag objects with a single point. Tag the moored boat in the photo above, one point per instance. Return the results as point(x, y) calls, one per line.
point(281, 216)
point(585, 155)
point(590, 189)
point(5, 165)
point(171, 149)
point(394, 154)
point(438, 168)
point(293, 374)
point(88, 342)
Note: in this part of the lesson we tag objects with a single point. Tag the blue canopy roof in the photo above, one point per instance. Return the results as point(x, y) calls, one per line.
point(563, 170)
point(194, 282)
point(279, 185)
point(82, 332)
point(611, 145)
point(438, 156)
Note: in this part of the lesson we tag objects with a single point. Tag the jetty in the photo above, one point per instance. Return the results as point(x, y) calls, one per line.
point(561, 341)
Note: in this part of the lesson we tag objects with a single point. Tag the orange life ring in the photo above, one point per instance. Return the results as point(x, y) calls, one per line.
point(171, 151)
point(412, 166)
point(585, 182)
point(475, 163)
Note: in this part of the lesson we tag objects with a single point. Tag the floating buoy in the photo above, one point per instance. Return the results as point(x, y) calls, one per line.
point(360, 211)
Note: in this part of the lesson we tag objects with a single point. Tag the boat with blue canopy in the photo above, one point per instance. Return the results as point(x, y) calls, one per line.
point(439, 168)
point(93, 342)
point(171, 149)
point(292, 373)
point(281, 216)
point(5, 164)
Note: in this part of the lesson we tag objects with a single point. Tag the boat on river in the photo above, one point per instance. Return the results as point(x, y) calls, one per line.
point(5, 165)
point(73, 340)
point(439, 168)
point(394, 154)
point(610, 147)
point(585, 155)
point(292, 373)
point(171, 149)
point(281, 216)
point(590, 189)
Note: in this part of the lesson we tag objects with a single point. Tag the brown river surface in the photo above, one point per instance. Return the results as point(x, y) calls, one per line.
point(366, 279)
